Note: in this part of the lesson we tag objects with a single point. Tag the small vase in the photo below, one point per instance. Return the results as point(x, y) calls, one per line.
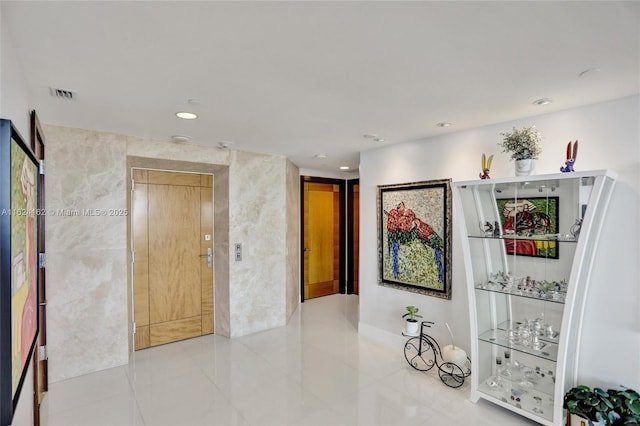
point(525, 167)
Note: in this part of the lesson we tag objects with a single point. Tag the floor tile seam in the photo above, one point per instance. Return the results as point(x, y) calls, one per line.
point(93, 399)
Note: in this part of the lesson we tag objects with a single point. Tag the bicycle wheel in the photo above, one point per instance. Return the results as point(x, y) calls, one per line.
point(419, 354)
point(451, 375)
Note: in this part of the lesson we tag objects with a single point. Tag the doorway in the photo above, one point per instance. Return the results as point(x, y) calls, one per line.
point(172, 253)
point(323, 239)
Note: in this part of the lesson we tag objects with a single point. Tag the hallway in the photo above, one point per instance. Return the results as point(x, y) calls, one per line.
point(314, 371)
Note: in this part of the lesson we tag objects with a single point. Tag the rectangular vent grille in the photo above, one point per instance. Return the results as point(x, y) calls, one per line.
point(62, 93)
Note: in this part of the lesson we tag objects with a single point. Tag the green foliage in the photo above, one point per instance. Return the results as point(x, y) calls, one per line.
point(412, 313)
point(613, 407)
point(522, 144)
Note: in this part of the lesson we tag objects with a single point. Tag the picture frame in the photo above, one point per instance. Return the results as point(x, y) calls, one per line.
point(19, 186)
point(528, 217)
point(414, 237)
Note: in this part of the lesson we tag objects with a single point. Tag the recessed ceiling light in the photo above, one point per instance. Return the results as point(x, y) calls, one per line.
point(320, 156)
point(444, 124)
point(193, 102)
point(344, 167)
point(224, 144)
point(543, 101)
point(181, 138)
point(186, 115)
point(369, 136)
point(589, 72)
point(378, 139)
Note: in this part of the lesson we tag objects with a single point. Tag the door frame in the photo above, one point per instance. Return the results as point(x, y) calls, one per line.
point(341, 230)
point(220, 234)
point(351, 243)
point(40, 364)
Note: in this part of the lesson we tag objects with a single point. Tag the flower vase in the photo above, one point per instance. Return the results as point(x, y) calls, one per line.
point(525, 167)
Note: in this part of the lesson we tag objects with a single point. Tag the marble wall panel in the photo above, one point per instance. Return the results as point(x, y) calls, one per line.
point(86, 251)
point(293, 239)
point(257, 220)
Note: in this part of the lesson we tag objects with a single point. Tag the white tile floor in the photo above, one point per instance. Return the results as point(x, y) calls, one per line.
point(314, 371)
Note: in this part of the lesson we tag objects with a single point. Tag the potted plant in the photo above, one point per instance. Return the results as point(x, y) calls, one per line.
point(412, 327)
point(590, 405)
point(626, 403)
point(597, 407)
point(524, 147)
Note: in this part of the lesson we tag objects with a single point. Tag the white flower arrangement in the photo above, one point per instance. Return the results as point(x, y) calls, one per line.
point(522, 144)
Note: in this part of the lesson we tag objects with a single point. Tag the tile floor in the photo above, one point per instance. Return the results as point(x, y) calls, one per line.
point(314, 371)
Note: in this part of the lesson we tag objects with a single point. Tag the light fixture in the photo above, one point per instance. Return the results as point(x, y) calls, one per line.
point(543, 101)
point(224, 144)
point(181, 138)
point(444, 124)
point(344, 167)
point(320, 156)
point(186, 115)
point(378, 139)
point(370, 136)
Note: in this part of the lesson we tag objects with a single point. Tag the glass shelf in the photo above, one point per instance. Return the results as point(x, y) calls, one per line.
point(553, 297)
point(548, 351)
point(538, 400)
point(560, 238)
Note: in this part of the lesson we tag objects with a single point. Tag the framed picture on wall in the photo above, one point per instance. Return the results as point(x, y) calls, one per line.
point(414, 237)
point(527, 217)
point(19, 177)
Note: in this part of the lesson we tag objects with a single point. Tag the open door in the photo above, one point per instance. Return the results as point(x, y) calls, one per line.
point(323, 242)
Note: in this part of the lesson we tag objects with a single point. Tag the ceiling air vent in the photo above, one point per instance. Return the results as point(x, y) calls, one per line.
point(62, 93)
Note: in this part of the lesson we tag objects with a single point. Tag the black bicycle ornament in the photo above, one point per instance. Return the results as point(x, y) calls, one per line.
point(423, 353)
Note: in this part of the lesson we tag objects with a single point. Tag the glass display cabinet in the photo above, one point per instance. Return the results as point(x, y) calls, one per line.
point(528, 245)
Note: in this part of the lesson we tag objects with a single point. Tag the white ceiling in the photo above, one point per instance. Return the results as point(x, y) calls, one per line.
point(304, 78)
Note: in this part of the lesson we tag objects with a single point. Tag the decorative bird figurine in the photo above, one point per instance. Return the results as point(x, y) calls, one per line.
point(572, 154)
point(486, 166)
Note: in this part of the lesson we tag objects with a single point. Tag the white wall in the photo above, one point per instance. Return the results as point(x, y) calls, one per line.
point(609, 136)
point(14, 105)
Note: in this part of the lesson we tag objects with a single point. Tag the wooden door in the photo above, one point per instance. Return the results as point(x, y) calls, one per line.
point(40, 370)
point(172, 223)
point(322, 238)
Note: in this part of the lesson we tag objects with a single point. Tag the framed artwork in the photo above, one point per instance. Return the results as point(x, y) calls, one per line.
point(527, 217)
point(19, 177)
point(414, 237)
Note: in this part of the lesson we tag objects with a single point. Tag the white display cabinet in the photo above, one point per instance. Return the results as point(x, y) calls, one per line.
point(529, 245)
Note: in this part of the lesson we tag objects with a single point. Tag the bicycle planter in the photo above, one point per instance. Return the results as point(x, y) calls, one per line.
point(423, 353)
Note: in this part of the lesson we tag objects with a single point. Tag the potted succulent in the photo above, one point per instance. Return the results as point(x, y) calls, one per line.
point(412, 327)
point(597, 407)
point(524, 147)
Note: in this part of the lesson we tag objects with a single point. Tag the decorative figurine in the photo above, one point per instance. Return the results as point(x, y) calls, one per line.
point(575, 229)
point(571, 157)
point(486, 166)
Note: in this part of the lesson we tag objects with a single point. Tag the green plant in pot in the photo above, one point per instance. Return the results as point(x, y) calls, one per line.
point(412, 325)
point(613, 407)
point(524, 147)
point(626, 403)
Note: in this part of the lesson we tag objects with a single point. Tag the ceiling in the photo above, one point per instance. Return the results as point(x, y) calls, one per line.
point(305, 78)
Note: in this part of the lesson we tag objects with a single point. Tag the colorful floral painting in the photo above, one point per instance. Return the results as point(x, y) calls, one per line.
point(19, 179)
point(528, 217)
point(414, 237)
point(24, 276)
